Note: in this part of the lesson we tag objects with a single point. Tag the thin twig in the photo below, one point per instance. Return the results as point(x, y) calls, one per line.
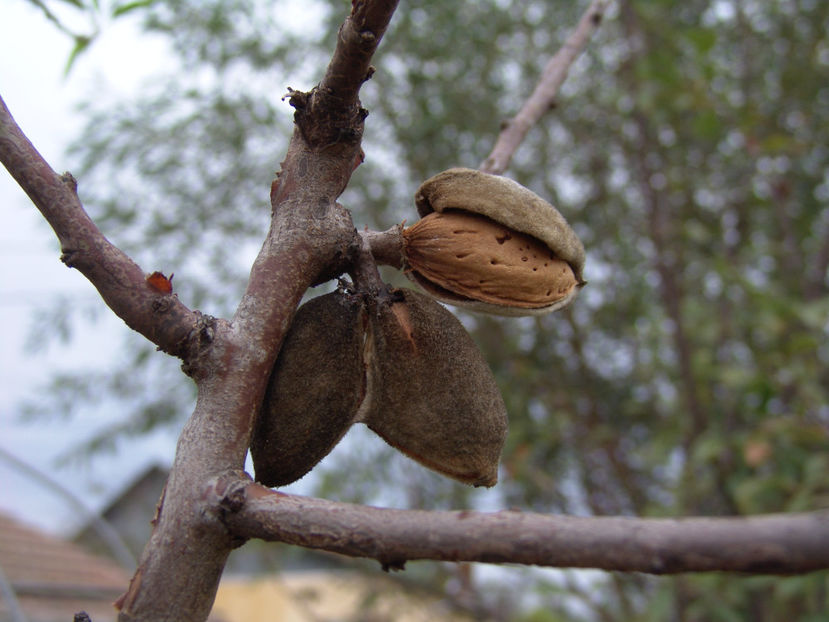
point(157, 315)
point(544, 95)
point(386, 246)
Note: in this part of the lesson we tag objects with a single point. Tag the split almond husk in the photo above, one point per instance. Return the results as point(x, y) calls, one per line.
point(499, 248)
point(480, 259)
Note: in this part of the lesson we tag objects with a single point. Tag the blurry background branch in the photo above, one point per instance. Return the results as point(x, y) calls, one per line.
point(104, 530)
point(544, 95)
point(64, 15)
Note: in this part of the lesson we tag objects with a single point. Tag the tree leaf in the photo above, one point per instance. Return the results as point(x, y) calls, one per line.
point(128, 7)
point(81, 45)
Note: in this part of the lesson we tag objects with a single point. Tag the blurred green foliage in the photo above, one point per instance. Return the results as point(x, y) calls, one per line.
point(689, 148)
point(83, 20)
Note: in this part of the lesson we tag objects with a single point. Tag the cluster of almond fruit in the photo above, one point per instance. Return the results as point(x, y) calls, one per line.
point(402, 364)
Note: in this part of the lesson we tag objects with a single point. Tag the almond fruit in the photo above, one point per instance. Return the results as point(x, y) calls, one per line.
point(457, 266)
point(433, 395)
point(476, 257)
point(315, 389)
point(394, 360)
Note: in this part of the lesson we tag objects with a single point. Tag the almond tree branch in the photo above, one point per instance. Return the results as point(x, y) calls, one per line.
point(358, 39)
point(544, 95)
point(334, 100)
point(160, 317)
point(311, 237)
point(778, 544)
point(386, 246)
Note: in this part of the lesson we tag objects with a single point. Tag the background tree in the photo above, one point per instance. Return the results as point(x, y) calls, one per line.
point(687, 149)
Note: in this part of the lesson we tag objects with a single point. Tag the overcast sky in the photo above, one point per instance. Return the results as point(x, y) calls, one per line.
point(33, 54)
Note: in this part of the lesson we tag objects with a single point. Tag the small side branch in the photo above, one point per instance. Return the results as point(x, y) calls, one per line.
point(331, 113)
point(358, 38)
point(386, 246)
point(159, 316)
point(776, 544)
point(544, 95)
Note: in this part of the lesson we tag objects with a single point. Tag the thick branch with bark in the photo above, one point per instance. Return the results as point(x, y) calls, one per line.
point(311, 236)
point(780, 544)
point(331, 112)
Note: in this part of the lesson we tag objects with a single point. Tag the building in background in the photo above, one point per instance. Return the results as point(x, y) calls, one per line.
point(52, 579)
point(131, 511)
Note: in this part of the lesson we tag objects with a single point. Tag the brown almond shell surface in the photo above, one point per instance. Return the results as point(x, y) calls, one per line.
point(508, 203)
point(315, 389)
point(481, 259)
point(434, 397)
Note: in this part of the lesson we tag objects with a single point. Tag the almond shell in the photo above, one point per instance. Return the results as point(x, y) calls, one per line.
point(508, 203)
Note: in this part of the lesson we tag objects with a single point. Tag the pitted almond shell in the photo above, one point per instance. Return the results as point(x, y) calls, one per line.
point(477, 258)
point(505, 202)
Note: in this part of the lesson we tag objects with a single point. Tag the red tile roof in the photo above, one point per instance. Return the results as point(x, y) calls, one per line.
point(54, 579)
